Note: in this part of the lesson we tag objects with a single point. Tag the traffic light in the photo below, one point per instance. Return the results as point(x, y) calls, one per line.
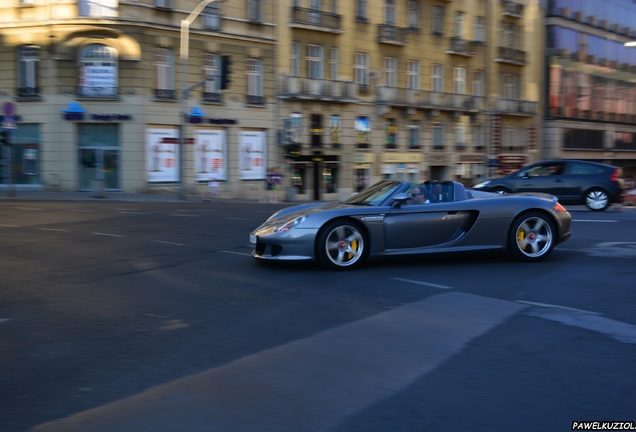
point(226, 71)
point(4, 138)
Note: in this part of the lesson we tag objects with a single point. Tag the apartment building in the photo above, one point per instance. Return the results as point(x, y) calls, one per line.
point(591, 91)
point(101, 90)
point(337, 94)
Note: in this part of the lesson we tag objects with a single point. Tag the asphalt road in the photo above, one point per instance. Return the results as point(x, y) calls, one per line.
point(153, 317)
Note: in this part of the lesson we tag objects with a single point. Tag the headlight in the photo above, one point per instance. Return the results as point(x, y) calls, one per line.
point(291, 224)
point(481, 185)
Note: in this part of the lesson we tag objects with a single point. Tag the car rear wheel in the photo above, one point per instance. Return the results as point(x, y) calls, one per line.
point(597, 200)
point(532, 237)
point(341, 245)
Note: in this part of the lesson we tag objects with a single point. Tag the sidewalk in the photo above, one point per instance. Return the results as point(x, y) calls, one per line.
point(41, 195)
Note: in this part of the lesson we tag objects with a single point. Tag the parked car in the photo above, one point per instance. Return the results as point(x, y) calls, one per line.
point(384, 220)
point(574, 182)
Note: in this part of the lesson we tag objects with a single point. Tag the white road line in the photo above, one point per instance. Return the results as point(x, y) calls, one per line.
point(422, 283)
point(131, 212)
point(9, 226)
point(3, 320)
point(169, 243)
point(360, 364)
point(107, 235)
point(181, 214)
point(53, 229)
point(236, 253)
point(29, 208)
point(82, 210)
point(553, 306)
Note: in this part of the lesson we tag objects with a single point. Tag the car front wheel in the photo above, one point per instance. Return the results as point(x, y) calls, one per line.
point(597, 200)
point(341, 245)
point(532, 237)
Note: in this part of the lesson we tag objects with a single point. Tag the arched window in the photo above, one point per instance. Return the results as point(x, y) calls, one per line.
point(28, 70)
point(98, 72)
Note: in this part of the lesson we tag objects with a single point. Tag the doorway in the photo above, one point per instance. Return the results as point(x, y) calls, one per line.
point(98, 164)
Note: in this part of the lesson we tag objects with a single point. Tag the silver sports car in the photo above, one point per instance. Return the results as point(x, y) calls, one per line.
point(395, 217)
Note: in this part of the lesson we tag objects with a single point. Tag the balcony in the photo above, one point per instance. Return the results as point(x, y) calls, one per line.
point(516, 106)
point(511, 55)
point(300, 88)
point(424, 99)
point(511, 8)
point(462, 47)
point(315, 19)
point(391, 35)
point(213, 97)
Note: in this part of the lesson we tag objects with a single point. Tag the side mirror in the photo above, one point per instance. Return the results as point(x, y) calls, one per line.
point(400, 199)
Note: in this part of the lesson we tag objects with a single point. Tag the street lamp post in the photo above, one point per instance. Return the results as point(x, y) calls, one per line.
point(183, 81)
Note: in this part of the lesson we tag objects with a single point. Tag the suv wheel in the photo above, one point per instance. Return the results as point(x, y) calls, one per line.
point(597, 200)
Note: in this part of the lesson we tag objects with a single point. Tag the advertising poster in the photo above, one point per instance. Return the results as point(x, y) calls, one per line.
point(252, 155)
point(209, 155)
point(162, 155)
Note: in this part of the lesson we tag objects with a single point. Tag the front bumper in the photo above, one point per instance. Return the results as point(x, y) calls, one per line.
point(293, 245)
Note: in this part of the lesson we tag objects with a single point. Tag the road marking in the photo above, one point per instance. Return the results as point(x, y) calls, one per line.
point(422, 283)
point(552, 306)
point(236, 253)
point(169, 243)
point(9, 226)
point(29, 208)
point(183, 215)
point(53, 229)
point(131, 212)
point(3, 320)
point(82, 210)
point(310, 384)
point(107, 235)
point(241, 219)
point(620, 331)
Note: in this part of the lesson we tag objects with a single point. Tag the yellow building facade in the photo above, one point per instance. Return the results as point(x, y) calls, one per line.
point(336, 95)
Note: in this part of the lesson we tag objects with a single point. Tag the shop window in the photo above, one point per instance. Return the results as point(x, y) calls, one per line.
point(330, 178)
point(391, 133)
point(414, 134)
point(298, 175)
point(98, 75)
point(335, 130)
point(316, 131)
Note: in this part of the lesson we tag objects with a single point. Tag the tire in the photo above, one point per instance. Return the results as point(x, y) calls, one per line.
point(500, 190)
point(532, 237)
point(597, 199)
point(341, 245)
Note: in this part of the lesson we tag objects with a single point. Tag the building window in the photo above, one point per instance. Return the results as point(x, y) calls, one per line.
point(294, 62)
point(414, 134)
point(255, 82)
point(391, 133)
point(510, 86)
point(363, 132)
point(166, 4)
point(458, 25)
point(478, 137)
point(212, 76)
point(333, 63)
point(478, 83)
point(437, 78)
point(28, 70)
point(102, 8)
point(438, 20)
point(361, 10)
point(413, 75)
point(335, 130)
point(98, 71)
point(459, 81)
point(315, 60)
point(413, 8)
point(212, 16)
point(438, 136)
point(460, 136)
point(255, 10)
point(361, 69)
point(389, 12)
point(389, 72)
point(316, 132)
point(164, 75)
point(480, 29)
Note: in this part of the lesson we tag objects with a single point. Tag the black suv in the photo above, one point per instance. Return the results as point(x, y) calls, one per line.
point(572, 181)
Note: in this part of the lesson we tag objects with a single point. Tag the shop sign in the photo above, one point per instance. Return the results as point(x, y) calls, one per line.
point(468, 158)
point(401, 158)
point(363, 158)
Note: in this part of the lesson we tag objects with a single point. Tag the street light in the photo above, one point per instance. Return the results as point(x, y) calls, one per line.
point(183, 78)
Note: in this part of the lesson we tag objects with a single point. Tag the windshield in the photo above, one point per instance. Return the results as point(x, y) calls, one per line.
point(377, 194)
